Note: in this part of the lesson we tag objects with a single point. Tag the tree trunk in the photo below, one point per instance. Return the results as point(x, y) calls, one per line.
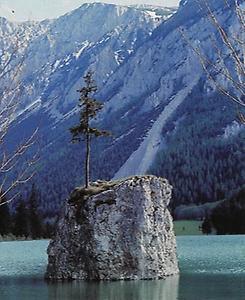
point(87, 160)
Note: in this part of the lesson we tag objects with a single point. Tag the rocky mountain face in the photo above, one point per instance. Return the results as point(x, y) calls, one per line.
point(166, 117)
point(14, 40)
point(115, 231)
point(95, 36)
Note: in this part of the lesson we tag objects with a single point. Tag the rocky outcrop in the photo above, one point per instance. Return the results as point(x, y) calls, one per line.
point(116, 230)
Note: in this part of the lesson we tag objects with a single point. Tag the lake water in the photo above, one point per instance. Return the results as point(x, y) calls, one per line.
point(212, 268)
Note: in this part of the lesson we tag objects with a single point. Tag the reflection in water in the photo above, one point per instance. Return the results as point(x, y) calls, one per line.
point(136, 290)
point(187, 287)
point(215, 287)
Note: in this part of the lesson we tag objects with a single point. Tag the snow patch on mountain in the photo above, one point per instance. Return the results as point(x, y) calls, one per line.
point(29, 109)
point(159, 13)
point(84, 45)
point(232, 130)
point(121, 10)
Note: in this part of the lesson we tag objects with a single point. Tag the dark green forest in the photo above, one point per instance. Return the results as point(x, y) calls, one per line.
point(200, 161)
point(229, 216)
point(26, 220)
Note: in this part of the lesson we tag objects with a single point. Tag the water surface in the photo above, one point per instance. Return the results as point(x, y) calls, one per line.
point(212, 268)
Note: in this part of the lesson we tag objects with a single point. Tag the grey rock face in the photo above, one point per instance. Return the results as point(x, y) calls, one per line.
point(122, 231)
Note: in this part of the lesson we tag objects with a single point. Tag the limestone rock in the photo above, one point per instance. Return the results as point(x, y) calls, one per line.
point(115, 231)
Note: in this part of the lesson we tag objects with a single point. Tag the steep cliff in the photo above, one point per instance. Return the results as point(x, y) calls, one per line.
point(115, 231)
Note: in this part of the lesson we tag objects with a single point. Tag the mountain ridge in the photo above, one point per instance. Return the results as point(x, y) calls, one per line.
point(153, 86)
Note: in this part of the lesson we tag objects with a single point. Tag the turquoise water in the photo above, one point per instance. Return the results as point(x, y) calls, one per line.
point(212, 268)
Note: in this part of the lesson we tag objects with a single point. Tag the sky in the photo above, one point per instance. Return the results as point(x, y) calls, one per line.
point(21, 10)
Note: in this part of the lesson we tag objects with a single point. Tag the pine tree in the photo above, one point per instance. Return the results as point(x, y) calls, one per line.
point(206, 226)
point(21, 227)
point(89, 110)
point(35, 222)
point(48, 230)
point(5, 220)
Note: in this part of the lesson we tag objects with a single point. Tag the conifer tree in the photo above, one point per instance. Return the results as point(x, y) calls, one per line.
point(21, 227)
point(5, 220)
point(34, 217)
point(206, 226)
point(84, 131)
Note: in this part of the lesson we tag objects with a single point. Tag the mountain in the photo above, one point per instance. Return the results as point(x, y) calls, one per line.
point(92, 27)
point(56, 55)
point(14, 40)
point(166, 116)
